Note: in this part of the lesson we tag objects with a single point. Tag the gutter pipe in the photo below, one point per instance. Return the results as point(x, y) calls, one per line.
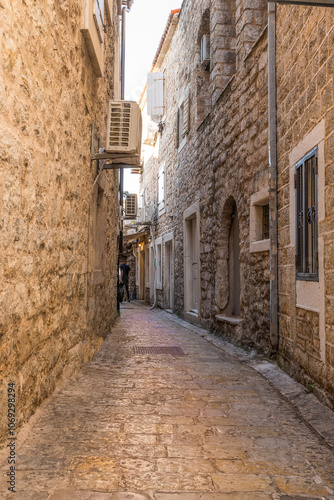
point(121, 173)
point(272, 119)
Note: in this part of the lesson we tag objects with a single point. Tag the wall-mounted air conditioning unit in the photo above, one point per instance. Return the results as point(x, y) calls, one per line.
point(124, 128)
point(131, 205)
point(205, 50)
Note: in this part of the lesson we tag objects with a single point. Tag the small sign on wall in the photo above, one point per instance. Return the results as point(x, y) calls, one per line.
point(318, 3)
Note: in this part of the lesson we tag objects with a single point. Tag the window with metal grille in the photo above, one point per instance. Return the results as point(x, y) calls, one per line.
point(265, 222)
point(306, 186)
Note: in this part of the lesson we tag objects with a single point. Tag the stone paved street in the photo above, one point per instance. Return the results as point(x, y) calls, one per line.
point(159, 426)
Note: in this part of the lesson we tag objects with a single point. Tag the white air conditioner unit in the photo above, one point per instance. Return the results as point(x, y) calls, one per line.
point(124, 128)
point(131, 205)
point(205, 50)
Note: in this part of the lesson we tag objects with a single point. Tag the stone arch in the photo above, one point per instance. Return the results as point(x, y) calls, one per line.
point(227, 290)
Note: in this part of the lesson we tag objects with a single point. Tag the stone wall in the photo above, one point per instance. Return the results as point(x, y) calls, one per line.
point(57, 229)
point(305, 65)
point(224, 157)
point(218, 173)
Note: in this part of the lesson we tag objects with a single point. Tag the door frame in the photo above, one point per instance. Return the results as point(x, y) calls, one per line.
point(191, 213)
point(169, 270)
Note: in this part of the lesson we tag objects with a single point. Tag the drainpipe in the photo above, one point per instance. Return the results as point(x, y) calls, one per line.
point(272, 119)
point(121, 173)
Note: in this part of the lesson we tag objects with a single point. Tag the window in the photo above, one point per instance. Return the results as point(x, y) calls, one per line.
point(161, 188)
point(203, 90)
point(265, 222)
point(93, 29)
point(259, 220)
point(182, 127)
point(98, 15)
point(306, 187)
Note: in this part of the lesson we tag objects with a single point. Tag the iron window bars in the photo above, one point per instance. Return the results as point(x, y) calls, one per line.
point(306, 186)
point(265, 222)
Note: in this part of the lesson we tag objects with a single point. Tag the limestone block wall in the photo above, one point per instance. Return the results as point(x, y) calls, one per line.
point(224, 156)
point(57, 230)
point(305, 43)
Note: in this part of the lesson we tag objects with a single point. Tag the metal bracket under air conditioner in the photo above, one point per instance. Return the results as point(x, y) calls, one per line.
point(114, 162)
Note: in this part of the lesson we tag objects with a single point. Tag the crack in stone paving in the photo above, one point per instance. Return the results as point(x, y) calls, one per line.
point(163, 427)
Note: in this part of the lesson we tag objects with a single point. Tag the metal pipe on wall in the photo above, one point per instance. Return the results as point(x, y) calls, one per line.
point(123, 53)
point(272, 122)
point(121, 172)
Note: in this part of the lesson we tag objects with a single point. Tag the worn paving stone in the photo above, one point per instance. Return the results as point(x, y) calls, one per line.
point(206, 426)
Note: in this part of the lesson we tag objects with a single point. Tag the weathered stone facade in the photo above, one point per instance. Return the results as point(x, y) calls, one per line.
point(305, 62)
point(219, 164)
point(58, 228)
point(216, 189)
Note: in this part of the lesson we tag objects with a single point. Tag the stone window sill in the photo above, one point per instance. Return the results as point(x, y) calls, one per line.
point(232, 320)
point(260, 246)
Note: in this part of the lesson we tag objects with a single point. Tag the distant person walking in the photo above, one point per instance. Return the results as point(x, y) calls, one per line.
point(125, 273)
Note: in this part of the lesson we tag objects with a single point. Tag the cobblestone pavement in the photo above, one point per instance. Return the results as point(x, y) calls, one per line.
point(159, 426)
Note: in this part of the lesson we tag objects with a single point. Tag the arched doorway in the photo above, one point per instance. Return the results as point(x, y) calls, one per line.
point(228, 262)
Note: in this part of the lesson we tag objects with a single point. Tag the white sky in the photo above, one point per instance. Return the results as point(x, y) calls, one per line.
point(145, 24)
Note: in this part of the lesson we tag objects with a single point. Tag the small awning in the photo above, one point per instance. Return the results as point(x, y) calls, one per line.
point(134, 236)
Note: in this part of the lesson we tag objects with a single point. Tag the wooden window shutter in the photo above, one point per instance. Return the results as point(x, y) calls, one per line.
point(155, 94)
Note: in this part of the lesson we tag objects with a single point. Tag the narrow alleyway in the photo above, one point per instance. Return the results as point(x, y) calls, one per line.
point(136, 425)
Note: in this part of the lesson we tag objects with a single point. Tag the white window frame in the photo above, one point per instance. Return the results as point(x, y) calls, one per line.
point(169, 239)
point(192, 212)
point(310, 295)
